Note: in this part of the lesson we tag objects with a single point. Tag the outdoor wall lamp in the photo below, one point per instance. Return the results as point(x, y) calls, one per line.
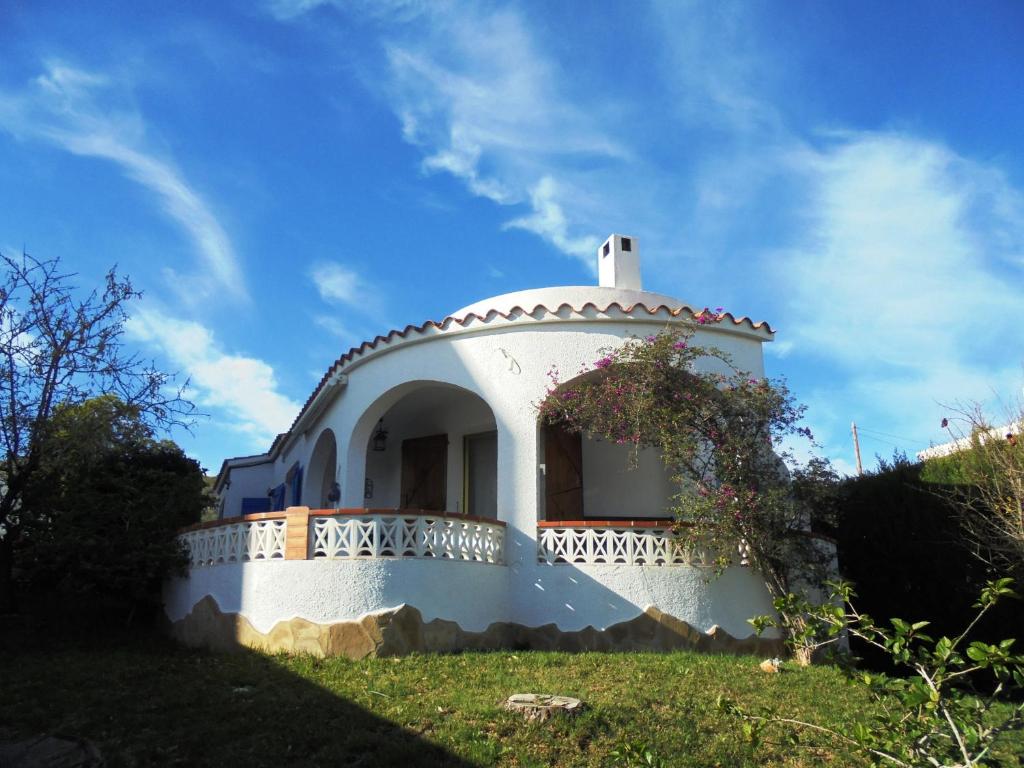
point(380, 437)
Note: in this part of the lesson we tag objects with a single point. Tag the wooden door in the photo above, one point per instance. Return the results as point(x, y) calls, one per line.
point(425, 472)
point(563, 474)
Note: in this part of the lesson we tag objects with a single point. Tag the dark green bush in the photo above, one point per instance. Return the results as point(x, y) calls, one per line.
point(900, 541)
point(106, 505)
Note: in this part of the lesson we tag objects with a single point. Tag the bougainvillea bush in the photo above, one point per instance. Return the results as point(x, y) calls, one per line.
point(723, 434)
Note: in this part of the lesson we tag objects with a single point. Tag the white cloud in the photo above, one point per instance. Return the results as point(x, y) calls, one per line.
point(333, 326)
point(486, 105)
point(897, 253)
point(717, 73)
point(478, 95)
point(337, 283)
point(402, 10)
point(243, 390)
point(548, 220)
point(907, 279)
point(779, 348)
point(77, 111)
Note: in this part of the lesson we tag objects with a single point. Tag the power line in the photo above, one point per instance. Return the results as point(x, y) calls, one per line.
point(888, 434)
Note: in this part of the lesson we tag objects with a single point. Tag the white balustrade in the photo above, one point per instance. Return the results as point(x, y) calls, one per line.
point(236, 543)
point(346, 537)
point(613, 545)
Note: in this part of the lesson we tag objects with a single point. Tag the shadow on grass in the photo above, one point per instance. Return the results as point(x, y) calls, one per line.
point(145, 701)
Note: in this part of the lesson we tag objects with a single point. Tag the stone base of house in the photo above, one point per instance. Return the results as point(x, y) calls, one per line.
point(402, 630)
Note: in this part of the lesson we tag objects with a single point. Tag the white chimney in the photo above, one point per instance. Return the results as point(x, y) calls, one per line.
point(618, 263)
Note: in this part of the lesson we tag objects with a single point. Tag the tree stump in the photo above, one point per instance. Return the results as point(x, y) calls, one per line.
point(541, 706)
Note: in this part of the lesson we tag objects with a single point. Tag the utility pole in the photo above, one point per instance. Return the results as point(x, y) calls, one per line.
point(856, 447)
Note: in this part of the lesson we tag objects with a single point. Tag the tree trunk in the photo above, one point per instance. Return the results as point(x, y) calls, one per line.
point(803, 656)
point(7, 604)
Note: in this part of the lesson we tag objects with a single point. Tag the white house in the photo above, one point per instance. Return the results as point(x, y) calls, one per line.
point(417, 504)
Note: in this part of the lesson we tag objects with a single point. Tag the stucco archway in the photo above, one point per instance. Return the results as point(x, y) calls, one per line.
point(322, 472)
point(440, 451)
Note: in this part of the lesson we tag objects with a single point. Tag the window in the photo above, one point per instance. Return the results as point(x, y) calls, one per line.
point(480, 474)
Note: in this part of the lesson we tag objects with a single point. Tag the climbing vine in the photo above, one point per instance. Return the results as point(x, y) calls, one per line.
point(723, 434)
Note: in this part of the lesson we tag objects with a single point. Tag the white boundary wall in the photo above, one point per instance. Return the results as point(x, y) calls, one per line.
point(474, 595)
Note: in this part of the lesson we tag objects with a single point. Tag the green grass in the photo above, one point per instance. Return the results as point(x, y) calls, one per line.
point(151, 703)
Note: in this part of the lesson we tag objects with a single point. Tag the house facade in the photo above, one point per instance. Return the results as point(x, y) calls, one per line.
point(417, 503)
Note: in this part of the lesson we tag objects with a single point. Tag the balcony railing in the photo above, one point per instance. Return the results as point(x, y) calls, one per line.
point(345, 534)
point(637, 542)
point(608, 542)
point(408, 534)
point(237, 542)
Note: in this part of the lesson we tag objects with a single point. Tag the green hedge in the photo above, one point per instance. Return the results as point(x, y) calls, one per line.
point(900, 542)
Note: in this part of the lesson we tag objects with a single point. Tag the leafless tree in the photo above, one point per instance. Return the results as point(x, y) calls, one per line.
point(988, 467)
point(61, 345)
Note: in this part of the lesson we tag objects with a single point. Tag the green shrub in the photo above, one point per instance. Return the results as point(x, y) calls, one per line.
point(106, 504)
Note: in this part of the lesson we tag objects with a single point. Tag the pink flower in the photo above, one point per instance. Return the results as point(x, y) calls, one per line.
point(604, 362)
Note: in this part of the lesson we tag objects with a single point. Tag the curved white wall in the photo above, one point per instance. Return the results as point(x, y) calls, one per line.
point(328, 591)
point(575, 596)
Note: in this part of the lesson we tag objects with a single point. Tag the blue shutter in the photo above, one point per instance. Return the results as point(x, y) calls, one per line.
point(278, 498)
point(255, 504)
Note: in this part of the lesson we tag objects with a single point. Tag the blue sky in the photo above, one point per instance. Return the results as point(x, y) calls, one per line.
point(286, 179)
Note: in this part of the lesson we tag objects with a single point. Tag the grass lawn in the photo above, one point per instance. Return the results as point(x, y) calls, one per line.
point(152, 703)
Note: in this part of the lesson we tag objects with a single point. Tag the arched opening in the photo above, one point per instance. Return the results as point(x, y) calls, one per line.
point(586, 477)
point(434, 448)
point(321, 476)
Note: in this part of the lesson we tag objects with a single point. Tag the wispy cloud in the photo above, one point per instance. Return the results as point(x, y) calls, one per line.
point(485, 104)
point(333, 326)
point(907, 277)
point(549, 221)
point(242, 389)
point(900, 246)
point(402, 10)
point(337, 283)
point(83, 113)
point(354, 302)
point(476, 92)
point(717, 71)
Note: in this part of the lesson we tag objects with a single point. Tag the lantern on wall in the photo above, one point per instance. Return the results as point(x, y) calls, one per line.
point(380, 437)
